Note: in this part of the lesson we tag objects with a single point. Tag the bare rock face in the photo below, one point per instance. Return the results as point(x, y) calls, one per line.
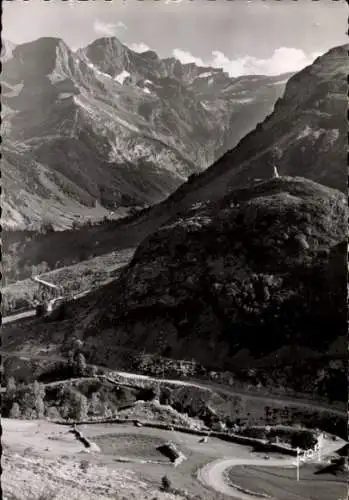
point(305, 135)
point(263, 268)
point(107, 127)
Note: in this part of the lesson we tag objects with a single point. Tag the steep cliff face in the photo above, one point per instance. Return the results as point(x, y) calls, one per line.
point(106, 128)
point(305, 135)
point(261, 269)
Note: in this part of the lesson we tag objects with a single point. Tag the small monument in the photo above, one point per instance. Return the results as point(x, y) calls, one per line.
point(276, 173)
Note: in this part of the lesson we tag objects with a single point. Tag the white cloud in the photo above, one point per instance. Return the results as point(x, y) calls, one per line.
point(108, 29)
point(283, 60)
point(187, 57)
point(139, 47)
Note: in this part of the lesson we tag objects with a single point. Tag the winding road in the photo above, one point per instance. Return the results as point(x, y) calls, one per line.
point(213, 474)
point(16, 317)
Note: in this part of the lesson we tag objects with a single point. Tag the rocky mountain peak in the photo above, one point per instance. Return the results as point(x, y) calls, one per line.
point(108, 54)
point(40, 57)
point(106, 114)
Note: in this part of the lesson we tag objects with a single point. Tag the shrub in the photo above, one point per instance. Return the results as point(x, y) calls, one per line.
point(95, 404)
point(53, 413)
point(156, 392)
point(46, 227)
point(76, 225)
point(165, 483)
point(15, 411)
point(303, 439)
point(301, 241)
point(81, 365)
point(93, 372)
point(82, 407)
point(84, 465)
point(39, 395)
point(11, 387)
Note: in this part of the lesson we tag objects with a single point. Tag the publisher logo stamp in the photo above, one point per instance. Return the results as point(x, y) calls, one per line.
point(307, 455)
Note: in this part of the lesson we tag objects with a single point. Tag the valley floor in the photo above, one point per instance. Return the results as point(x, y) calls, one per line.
point(44, 460)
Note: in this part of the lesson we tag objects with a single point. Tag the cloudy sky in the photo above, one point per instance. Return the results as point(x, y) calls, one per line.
point(241, 36)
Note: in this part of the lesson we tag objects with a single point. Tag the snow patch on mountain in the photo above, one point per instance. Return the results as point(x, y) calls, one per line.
point(308, 131)
point(244, 101)
point(120, 78)
point(205, 75)
point(126, 124)
point(96, 70)
point(65, 95)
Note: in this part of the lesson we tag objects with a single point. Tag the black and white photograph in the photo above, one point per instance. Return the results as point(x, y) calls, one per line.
point(174, 243)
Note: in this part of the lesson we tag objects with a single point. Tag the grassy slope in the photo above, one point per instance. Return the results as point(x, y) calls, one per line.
point(220, 270)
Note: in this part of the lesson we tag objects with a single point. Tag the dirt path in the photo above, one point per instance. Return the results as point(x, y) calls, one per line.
point(236, 392)
point(16, 317)
point(30, 313)
point(203, 385)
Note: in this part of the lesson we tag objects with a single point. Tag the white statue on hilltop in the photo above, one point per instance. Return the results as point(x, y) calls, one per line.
point(275, 157)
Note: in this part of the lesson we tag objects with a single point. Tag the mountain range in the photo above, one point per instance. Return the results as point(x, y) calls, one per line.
point(236, 267)
point(305, 136)
point(91, 133)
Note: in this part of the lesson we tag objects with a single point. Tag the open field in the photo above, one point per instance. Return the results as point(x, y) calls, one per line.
point(131, 446)
point(41, 456)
